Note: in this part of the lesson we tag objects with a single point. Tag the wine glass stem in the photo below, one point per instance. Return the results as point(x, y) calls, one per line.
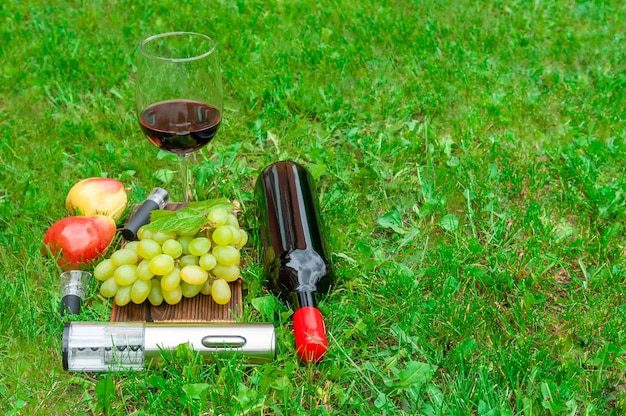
point(183, 159)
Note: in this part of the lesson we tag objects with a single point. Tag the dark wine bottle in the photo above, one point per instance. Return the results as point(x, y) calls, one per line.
point(295, 252)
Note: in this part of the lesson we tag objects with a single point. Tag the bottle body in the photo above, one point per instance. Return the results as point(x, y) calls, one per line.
point(294, 247)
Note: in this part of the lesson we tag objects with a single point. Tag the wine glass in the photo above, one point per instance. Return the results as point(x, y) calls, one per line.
point(179, 94)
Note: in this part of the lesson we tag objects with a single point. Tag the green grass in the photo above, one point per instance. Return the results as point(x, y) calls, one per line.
point(470, 162)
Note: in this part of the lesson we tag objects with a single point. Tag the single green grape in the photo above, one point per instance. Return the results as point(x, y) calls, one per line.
point(189, 290)
point(172, 297)
point(231, 219)
point(143, 270)
point(236, 240)
point(140, 291)
point(220, 292)
point(208, 261)
point(184, 242)
point(162, 236)
point(131, 245)
point(228, 273)
point(148, 248)
point(162, 264)
point(109, 288)
point(217, 216)
point(104, 270)
point(144, 234)
point(187, 260)
point(124, 256)
point(226, 255)
point(199, 246)
point(194, 275)
point(243, 239)
point(172, 248)
point(122, 297)
point(170, 280)
point(156, 296)
point(125, 275)
point(206, 287)
point(222, 235)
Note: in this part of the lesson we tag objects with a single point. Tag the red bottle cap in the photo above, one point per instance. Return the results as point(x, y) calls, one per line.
point(311, 342)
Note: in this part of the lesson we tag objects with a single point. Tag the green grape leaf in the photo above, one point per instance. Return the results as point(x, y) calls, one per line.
point(180, 223)
point(189, 219)
point(161, 213)
point(202, 207)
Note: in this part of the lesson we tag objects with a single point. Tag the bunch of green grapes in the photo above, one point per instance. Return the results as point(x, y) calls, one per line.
point(165, 265)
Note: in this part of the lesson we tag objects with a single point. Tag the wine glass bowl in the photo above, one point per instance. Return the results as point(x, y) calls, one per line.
point(179, 95)
point(180, 126)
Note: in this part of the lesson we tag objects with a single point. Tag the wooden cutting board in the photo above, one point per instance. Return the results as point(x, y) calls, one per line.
point(200, 308)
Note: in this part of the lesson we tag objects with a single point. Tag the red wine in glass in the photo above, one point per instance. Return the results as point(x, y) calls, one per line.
point(180, 126)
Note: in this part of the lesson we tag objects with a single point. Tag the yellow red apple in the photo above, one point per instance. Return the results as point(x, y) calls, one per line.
point(92, 196)
point(78, 240)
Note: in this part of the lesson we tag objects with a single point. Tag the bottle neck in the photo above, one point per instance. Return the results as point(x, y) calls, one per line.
point(303, 299)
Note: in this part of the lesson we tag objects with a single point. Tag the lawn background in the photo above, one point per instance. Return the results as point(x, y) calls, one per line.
point(470, 163)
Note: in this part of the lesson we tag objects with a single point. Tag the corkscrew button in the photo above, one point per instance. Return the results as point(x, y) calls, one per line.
point(223, 341)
